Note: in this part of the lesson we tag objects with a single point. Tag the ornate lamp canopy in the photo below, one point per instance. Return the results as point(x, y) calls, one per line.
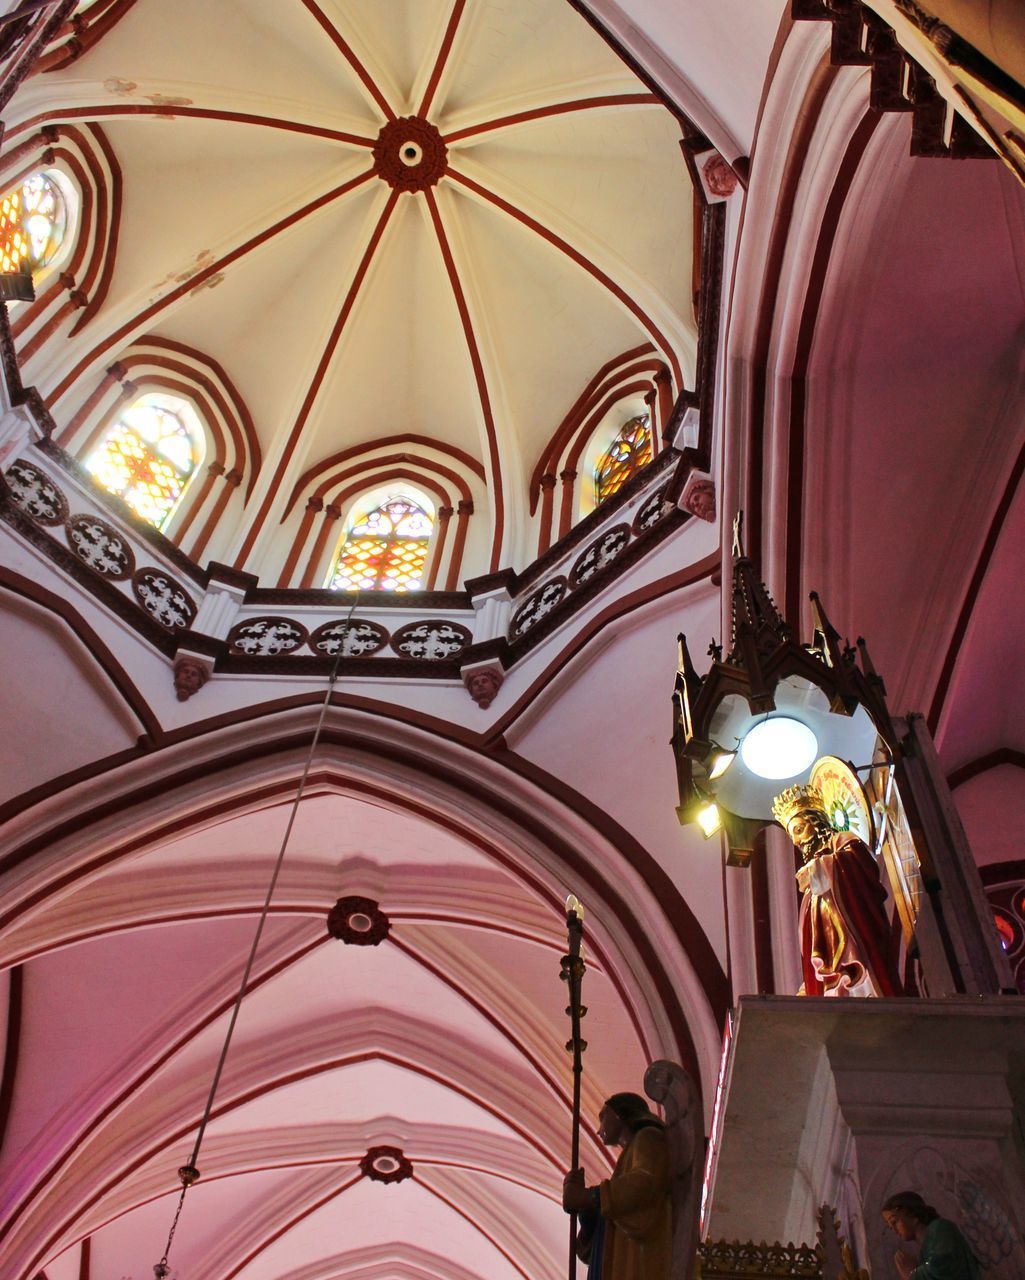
point(768, 710)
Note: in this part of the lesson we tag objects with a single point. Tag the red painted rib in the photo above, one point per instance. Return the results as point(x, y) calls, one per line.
point(294, 1221)
point(99, 111)
point(478, 373)
point(335, 36)
point(554, 109)
point(576, 256)
point(442, 58)
point(971, 598)
point(190, 284)
point(336, 460)
point(322, 366)
point(236, 413)
point(473, 1223)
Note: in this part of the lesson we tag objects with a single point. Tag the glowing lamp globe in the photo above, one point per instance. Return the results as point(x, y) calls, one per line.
point(779, 747)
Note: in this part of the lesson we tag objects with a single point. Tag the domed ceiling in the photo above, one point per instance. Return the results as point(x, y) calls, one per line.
point(385, 218)
point(419, 217)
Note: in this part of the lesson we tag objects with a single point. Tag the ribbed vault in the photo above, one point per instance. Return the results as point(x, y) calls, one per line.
point(433, 217)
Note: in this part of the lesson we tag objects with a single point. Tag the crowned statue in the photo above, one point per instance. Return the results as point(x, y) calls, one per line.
point(847, 946)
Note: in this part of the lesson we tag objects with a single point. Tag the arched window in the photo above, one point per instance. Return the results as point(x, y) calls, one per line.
point(33, 223)
point(149, 456)
point(385, 548)
point(625, 456)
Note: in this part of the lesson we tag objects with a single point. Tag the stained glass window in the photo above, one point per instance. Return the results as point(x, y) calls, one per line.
point(624, 457)
point(147, 457)
point(33, 219)
point(385, 549)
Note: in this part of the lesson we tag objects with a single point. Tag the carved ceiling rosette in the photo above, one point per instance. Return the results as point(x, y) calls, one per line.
point(386, 1164)
point(410, 154)
point(359, 922)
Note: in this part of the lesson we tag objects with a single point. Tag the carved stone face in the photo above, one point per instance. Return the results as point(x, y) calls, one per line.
point(810, 831)
point(721, 179)
point(189, 678)
point(700, 500)
point(483, 685)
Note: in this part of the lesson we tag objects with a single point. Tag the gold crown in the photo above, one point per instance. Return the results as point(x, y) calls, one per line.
point(788, 804)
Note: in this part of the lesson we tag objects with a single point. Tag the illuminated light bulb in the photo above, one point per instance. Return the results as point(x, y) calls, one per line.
point(720, 764)
point(779, 748)
point(574, 904)
point(708, 820)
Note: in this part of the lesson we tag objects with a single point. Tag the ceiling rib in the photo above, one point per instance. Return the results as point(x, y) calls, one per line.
point(336, 38)
point(168, 1139)
point(147, 1072)
point(318, 378)
point(142, 317)
point(442, 58)
point(554, 109)
point(576, 256)
point(473, 1223)
point(99, 111)
point(478, 371)
point(294, 1221)
point(448, 980)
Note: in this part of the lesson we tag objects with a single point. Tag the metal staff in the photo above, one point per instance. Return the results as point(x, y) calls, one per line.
point(572, 973)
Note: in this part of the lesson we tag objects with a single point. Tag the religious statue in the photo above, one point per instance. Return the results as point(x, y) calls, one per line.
point(672, 1088)
point(943, 1252)
point(846, 939)
point(626, 1222)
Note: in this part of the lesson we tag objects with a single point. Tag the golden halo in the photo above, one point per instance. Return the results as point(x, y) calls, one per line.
point(845, 800)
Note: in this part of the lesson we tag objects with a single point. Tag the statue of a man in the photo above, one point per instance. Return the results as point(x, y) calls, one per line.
point(626, 1222)
point(846, 939)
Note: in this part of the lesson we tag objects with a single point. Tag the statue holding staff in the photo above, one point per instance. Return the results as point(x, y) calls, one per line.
point(640, 1223)
point(626, 1222)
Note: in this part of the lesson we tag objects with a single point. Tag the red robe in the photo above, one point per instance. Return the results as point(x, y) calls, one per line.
point(846, 940)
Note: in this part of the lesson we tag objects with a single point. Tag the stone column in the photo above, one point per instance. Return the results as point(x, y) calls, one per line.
point(444, 516)
point(568, 478)
point(664, 387)
point(464, 511)
point(332, 514)
point(544, 537)
point(783, 906)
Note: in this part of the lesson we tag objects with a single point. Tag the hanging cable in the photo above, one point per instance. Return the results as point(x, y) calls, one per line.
point(188, 1174)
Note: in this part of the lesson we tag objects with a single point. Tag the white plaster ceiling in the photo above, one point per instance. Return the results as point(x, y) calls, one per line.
point(571, 245)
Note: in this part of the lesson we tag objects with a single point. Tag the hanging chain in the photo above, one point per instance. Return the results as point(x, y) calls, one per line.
point(188, 1174)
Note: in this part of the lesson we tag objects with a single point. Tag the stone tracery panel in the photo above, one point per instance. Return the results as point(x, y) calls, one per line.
point(36, 494)
point(538, 606)
point(101, 547)
point(163, 598)
point(432, 641)
point(356, 638)
point(266, 637)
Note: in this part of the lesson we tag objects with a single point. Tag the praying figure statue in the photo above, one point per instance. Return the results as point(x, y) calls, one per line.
point(626, 1222)
point(846, 941)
